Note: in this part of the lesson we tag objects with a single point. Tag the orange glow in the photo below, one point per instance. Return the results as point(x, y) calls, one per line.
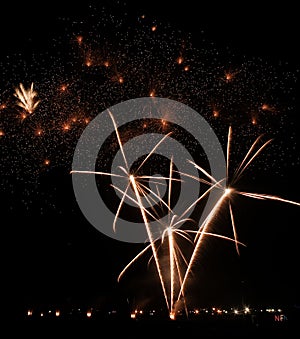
point(153, 28)
point(88, 63)
point(66, 127)
point(163, 122)
point(172, 316)
point(86, 120)
point(39, 132)
point(2, 106)
point(121, 80)
point(216, 113)
point(57, 313)
point(89, 314)
point(152, 93)
point(79, 39)
point(180, 60)
point(228, 76)
point(106, 63)
point(63, 88)
point(2, 133)
point(266, 107)
point(29, 312)
point(186, 68)
point(47, 162)
point(23, 116)
point(132, 315)
point(254, 121)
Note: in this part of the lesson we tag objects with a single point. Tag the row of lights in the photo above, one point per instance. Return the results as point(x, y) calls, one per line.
point(57, 313)
point(136, 312)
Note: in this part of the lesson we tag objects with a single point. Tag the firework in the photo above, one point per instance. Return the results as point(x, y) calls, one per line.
point(27, 98)
point(226, 199)
point(92, 65)
point(178, 263)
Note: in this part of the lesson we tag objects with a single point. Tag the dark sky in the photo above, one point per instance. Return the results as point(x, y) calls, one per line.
point(59, 257)
point(249, 27)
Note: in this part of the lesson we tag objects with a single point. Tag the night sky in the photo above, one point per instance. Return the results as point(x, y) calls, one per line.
point(51, 254)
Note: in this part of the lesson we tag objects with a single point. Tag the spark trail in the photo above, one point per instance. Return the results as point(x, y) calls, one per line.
point(226, 198)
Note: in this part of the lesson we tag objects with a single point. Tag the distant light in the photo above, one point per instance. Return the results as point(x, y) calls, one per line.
point(57, 313)
point(132, 315)
point(179, 60)
point(29, 312)
point(89, 314)
point(236, 311)
point(79, 39)
point(216, 113)
point(172, 316)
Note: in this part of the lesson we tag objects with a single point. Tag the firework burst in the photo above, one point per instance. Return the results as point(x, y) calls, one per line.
point(26, 98)
point(229, 192)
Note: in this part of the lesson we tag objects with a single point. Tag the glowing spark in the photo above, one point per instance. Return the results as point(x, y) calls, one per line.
point(153, 150)
point(268, 197)
point(119, 139)
point(79, 39)
point(26, 98)
point(228, 153)
point(216, 113)
point(180, 60)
